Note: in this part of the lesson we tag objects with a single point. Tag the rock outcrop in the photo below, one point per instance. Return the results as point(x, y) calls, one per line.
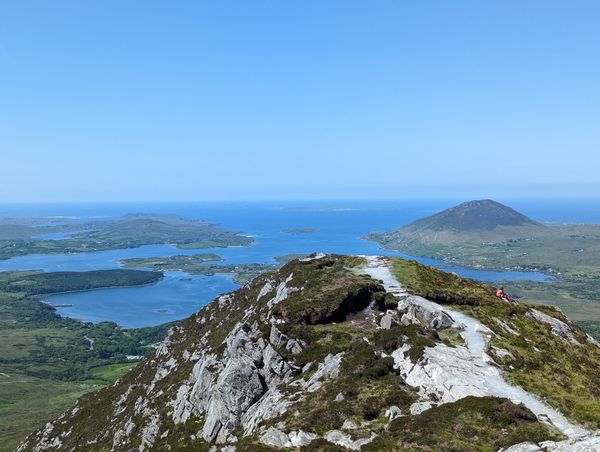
point(558, 327)
point(329, 351)
point(425, 313)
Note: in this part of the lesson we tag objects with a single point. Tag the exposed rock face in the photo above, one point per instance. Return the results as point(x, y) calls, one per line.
point(586, 443)
point(250, 364)
point(280, 340)
point(310, 356)
point(446, 374)
point(222, 369)
point(342, 439)
point(277, 438)
point(330, 368)
point(425, 313)
point(558, 327)
point(388, 321)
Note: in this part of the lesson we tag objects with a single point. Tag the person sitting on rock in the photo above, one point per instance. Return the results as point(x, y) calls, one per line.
point(503, 295)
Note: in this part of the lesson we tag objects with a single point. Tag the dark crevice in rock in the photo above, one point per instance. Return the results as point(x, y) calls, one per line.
point(354, 302)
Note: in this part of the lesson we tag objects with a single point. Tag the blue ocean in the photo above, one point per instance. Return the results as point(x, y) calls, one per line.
point(340, 227)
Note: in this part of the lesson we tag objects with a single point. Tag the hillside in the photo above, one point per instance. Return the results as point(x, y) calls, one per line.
point(348, 353)
point(468, 232)
point(488, 235)
point(472, 216)
point(474, 221)
point(48, 361)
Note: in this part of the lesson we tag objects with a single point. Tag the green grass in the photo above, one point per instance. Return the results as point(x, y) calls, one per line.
point(591, 327)
point(562, 373)
point(570, 252)
point(111, 372)
point(568, 297)
point(28, 402)
point(441, 287)
point(47, 357)
point(470, 424)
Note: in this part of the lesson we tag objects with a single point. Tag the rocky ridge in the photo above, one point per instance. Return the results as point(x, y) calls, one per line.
point(330, 351)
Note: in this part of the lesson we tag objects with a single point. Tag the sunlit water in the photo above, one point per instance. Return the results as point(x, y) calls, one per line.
point(341, 226)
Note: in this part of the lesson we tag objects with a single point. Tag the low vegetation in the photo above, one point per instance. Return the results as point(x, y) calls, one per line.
point(29, 283)
point(331, 310)
point(473, 423)
point(367, 386)
point(28, 402)
point(48, 361)
point(559, 371)
point(495, 237)
point(329, 293)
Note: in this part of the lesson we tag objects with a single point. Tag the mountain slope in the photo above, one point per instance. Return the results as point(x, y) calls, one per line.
point(470, 224)
point(331, 352)
point(464, 235)
point(473, 215)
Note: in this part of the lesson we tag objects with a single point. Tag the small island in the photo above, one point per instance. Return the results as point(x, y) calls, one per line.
point(195, 264)
point(25, 236)
point(301, 230)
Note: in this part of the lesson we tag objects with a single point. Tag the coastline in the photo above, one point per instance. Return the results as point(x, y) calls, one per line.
point(41, 297)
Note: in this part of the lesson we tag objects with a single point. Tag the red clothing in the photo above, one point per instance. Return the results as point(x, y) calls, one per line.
point(500, 293)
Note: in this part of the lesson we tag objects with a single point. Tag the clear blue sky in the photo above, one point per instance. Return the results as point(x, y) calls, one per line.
point(192, 100)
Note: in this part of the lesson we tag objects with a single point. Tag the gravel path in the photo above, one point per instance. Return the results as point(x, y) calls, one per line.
point(486, 376)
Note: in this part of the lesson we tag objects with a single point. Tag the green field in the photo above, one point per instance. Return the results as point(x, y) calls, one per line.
point(48, 361)
point(27, 402)
point(111, 372)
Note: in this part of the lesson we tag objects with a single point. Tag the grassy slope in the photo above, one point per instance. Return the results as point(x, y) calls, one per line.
point(45, 360)
point(367, 380)
point(570, 249)
point(483, 424)
point(563, 374)
point(27, 403)
point(571, 252)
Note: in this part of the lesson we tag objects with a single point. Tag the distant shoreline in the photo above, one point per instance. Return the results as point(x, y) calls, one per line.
point(42, 297)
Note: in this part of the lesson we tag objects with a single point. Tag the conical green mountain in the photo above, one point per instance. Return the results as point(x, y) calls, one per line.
point(473, 216)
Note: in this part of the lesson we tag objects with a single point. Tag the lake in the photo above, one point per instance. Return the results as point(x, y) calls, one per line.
point(339, 227)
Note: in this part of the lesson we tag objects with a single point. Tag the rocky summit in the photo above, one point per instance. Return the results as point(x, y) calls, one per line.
point(351, 353)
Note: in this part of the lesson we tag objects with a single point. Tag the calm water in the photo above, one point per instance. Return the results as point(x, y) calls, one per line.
point(175, 297)
point(340, 228)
